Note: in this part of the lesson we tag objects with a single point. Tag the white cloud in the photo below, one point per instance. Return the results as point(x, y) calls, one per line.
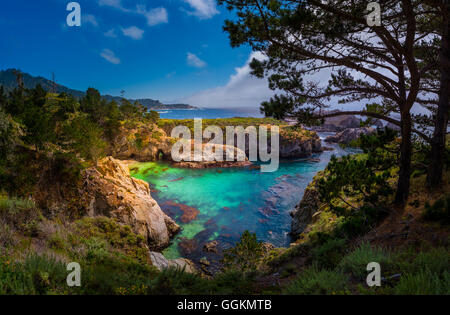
point(194, 61)
point(242, 90)
point(133, 32)
point(112, 3)
point(154, 16)
point(89, 19)
point(110, 56)
point(203, 9)
point(111, 33)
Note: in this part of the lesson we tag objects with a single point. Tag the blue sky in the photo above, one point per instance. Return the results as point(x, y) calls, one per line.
point(172, 50)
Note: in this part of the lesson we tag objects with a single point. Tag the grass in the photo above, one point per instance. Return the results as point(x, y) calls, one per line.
point(314, 281)
point(424, 282)
point(356, 262)
point(436, 260)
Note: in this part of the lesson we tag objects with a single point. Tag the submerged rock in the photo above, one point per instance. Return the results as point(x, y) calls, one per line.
point(211, 247)
point(188, 213)
point(109, 190)
point(162, 263)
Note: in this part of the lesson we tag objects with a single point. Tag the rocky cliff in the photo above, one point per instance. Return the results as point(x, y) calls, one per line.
point(338, 123)
point(141, 142)
point(349, 135)
point(108, 190)
point(296, 142)
point(304, 212)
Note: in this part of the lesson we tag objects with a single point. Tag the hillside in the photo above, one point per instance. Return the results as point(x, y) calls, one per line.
point(9, 82)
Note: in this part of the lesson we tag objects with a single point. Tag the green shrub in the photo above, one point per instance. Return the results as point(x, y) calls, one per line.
point(233, 283)
point(439, 211)
point(246, 254)
point(356, 262)
point(437, 260)
point(359, 222)
point(313, 282)
point(22, 214)
point(36, 275)
point(176, 282)
point(119, 237)
point(329, 254)
point(48, 274)
point(423, 283)
point(7, 237)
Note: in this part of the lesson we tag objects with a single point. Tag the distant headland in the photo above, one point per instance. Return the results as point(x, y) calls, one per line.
point(8, 80)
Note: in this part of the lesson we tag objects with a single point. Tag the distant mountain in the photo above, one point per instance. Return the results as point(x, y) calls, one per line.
point(9, 82)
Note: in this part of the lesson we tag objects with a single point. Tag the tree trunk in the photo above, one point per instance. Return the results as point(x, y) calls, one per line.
point(435, 170)
point(404, 175)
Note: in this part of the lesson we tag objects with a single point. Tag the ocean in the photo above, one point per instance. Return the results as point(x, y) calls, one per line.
point(210, 113)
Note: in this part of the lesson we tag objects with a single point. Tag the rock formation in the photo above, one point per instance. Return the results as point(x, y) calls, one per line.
point(338, 123)
point(237, 157)
point(349, 135)
point(162, 263)
point(142, 143)
point(108, 190)
point(303, 213)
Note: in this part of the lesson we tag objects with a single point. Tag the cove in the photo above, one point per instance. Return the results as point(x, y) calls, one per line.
point(220, 204)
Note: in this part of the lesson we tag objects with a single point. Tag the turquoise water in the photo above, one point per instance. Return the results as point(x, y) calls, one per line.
point(220, 204)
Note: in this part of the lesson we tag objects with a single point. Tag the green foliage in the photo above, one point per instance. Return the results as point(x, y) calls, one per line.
point(152, 116)
point(356, 187)
point(424, 282)
point(356, 262)
point(20, 214)
point(10, 133)
point(101, 233)
point(358, 222)
point(436, 260)
point(85, 137)
point(329, 254)
point(439, 211)
point(314, 281)
point(246, 254)
point(36, 275)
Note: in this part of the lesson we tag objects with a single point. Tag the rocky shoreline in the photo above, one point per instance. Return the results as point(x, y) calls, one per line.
point(108, 189)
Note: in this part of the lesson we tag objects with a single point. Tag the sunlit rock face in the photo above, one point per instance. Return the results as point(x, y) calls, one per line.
point(143, 142)
point(108, 190)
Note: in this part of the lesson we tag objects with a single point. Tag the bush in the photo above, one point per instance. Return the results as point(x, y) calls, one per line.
point(21, 214)
point(313, 282)
point(356, 262)
point(246, 255)
point(329, 254)
point(439, 211)
point(436, 260)
point(359, 222)
point(233, 283)
point(423, 283)
point(36, 275)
